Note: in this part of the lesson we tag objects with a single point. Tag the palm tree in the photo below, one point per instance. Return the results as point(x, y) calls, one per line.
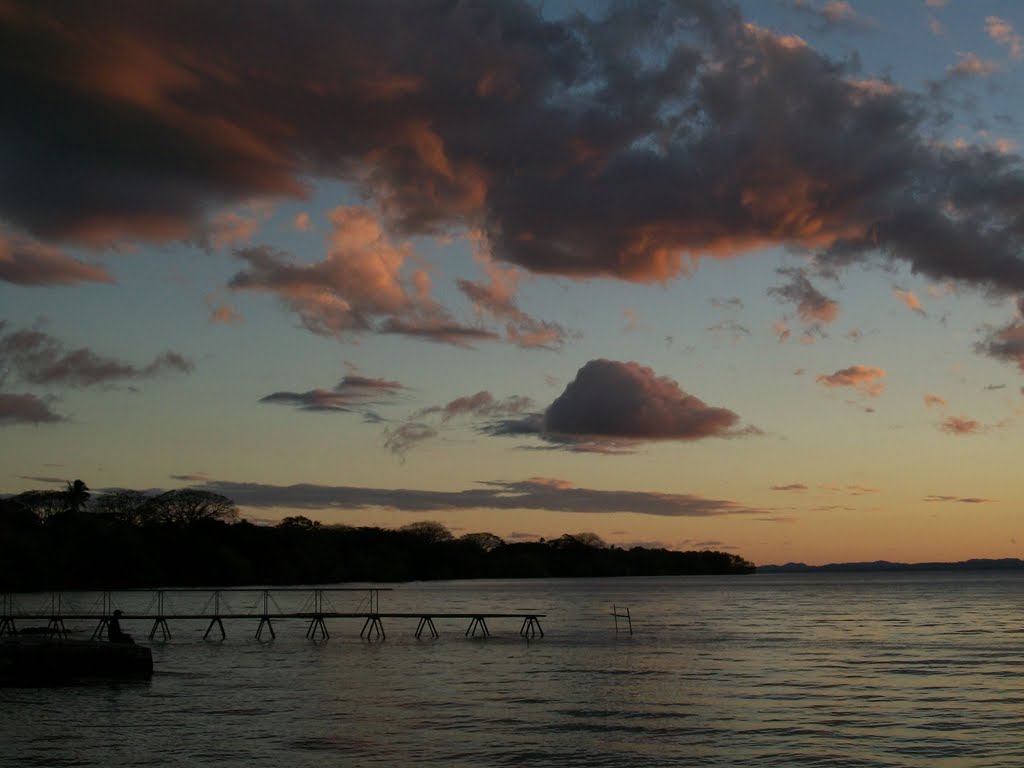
point(76, 495)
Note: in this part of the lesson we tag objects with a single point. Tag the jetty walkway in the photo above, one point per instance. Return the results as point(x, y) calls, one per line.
point(165, 605)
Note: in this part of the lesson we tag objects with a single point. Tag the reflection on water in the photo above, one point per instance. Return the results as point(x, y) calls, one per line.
point(802, 670)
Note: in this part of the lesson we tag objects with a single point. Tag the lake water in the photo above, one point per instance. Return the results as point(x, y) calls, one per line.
point(763, 670)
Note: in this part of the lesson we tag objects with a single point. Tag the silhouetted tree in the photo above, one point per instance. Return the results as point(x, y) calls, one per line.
point(591, 540)
point(428, 530)
point(485, 542)
point(43, 504)
point(299, 522)
point(126, 506)
point(76, 496)
point(190, 505)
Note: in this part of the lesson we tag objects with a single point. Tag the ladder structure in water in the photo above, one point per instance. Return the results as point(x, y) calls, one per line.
point(316, 609)
point(622, 613)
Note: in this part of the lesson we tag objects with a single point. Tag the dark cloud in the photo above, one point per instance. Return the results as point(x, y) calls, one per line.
point(814, 307)
point(193, 477)
point(403, 438)
point(38, 358)
point(534, 493)
point(25, 262)
point(732, 303)
point(1005, 344)
point(790, 487)
point(44, 479)
point(26, 409)
point(960, 499)
point(626, 146)
point(352, 393)
point(611, 406)
point(481, 405)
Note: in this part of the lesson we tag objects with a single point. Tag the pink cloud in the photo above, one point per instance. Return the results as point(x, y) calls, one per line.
point(969, 65)
point(909, 300)
point(302, 222)
point(230, 228)
point(961, 425)
point(222, 313)
point(1003, 33)
point(27, 262)
point(496, 298)
point(865, 379)
point(360, 286)
point(934, 401)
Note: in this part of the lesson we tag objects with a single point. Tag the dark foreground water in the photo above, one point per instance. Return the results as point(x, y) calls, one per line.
point(764, 670)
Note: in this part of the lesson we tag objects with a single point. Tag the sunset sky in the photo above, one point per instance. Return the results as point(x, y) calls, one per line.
point(685, 274)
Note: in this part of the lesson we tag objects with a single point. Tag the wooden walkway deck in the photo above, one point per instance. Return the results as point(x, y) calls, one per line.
point(316, 614)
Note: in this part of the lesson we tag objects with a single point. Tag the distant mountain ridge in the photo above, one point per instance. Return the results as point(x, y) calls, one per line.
point(976, 564)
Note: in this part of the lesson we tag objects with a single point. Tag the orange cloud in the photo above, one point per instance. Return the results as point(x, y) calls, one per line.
point(223, 313)
point(961, 425)
point(934, 401)
point(231, 228)
point(1003, 33)
point(909, 300)
point(865, 379)
point(970, 65)
point(497, 298)
point(27, 262)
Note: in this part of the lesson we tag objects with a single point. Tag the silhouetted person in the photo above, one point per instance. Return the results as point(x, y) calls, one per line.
point(114, 633)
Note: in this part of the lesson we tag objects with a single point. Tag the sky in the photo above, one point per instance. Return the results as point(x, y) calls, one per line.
point(693, 274)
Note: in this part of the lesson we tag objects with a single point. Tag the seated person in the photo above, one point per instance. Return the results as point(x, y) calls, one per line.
point(114, 633)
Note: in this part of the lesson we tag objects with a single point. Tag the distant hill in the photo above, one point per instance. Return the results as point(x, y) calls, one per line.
point(978, 564)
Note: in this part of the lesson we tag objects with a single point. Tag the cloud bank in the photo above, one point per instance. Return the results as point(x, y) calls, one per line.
point(533, 493)
point(627, 145)
point(38, 358)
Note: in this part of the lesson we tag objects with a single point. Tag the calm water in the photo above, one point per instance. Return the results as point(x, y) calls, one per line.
point(821, 670)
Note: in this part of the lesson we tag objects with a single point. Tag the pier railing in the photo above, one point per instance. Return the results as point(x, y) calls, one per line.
point(165, 605)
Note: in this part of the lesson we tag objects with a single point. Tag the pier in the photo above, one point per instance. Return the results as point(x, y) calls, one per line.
point(315, 610)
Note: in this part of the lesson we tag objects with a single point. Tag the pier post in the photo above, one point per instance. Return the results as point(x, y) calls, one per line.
point(160, 622)
point(480, 623)
point(216, 620)
point(626, 616)
point(7, 619)
point(531, 626)
point(426, 622)
point(373, 627)
point(265, 618)
point(317, 624)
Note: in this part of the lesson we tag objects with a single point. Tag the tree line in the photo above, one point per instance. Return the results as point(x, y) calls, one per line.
point(189, 537)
